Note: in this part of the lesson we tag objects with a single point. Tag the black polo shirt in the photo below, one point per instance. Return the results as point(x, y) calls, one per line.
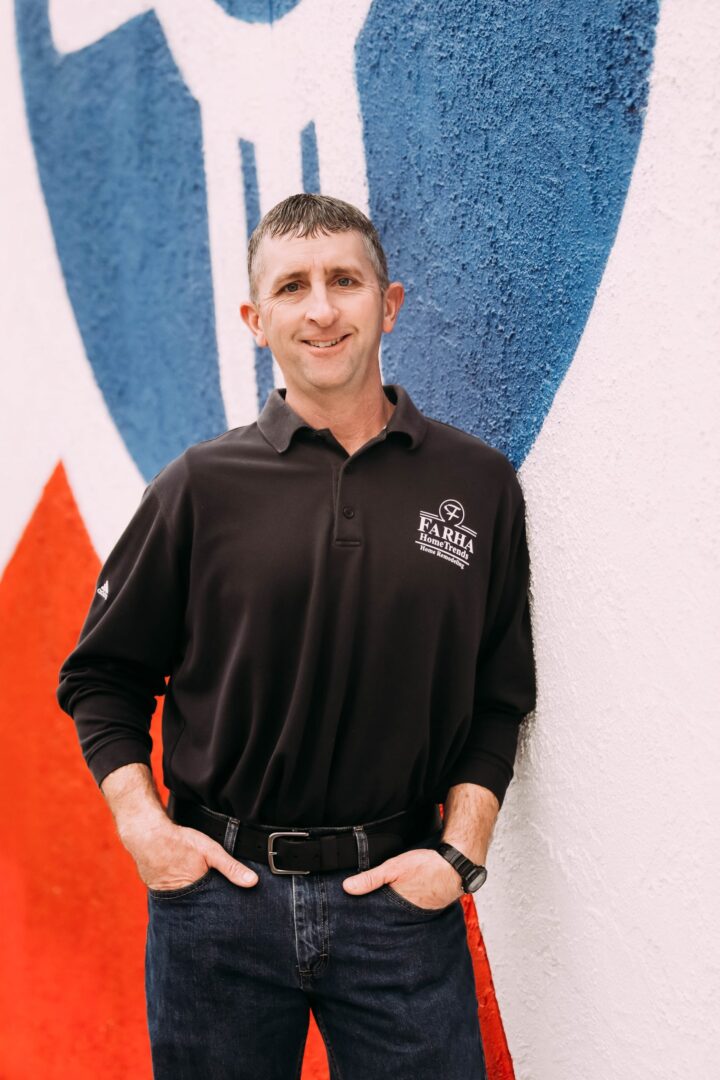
point(344, 635)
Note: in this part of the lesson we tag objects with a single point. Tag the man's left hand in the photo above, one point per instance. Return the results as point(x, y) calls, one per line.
point(421, 876)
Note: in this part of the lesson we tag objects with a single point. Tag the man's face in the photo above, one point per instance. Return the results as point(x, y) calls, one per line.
point(320, 310)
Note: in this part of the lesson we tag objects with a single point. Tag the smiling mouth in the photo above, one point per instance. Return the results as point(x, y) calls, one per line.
point(325, 344)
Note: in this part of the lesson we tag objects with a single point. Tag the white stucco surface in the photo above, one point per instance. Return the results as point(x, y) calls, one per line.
point(601, 907)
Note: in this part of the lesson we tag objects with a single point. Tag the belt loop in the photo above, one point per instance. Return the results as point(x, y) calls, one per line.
point(231, 835)
point(362, 846)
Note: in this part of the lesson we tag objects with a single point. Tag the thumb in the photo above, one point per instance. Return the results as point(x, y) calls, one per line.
point(369, 880)
point(233, 870)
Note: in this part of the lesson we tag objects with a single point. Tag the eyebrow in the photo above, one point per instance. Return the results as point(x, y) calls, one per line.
point(335, 271)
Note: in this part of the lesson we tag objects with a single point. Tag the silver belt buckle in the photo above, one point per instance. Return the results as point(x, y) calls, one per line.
point(272, 854)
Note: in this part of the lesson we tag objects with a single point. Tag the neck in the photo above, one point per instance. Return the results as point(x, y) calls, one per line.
point(353, 418)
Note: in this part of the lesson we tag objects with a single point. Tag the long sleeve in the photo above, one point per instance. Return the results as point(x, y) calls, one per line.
point(110, 682)
point(505, 687)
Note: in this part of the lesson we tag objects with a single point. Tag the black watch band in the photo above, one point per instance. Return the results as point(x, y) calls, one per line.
point(472, 874)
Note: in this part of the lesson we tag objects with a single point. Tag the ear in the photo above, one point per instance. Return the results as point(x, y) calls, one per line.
point(251, 317)
point(392, 302)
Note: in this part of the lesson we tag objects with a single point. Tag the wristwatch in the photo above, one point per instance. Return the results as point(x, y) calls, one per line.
point(473, 875)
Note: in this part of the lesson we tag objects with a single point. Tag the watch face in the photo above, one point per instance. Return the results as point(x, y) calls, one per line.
point(475, 879)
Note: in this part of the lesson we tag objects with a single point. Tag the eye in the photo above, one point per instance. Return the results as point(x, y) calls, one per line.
point(345, 281)
point(291, 287)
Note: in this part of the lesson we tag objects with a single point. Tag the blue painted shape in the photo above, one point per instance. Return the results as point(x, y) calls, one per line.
point(118, 145)
point(251, 191)
point(500, 138)
point(265, 11)
point(310, 163)
point(264, 380)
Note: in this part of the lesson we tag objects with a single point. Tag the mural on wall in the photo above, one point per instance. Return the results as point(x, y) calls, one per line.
point(491, 142)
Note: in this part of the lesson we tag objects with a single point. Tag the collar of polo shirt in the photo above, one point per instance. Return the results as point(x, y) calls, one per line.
point(278, 422)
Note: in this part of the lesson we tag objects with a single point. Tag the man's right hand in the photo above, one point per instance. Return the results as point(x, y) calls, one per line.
point(170, 856)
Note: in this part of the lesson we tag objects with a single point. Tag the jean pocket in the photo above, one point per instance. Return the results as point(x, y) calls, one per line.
point(430, 841)
point(397, 898)
point(184, 890)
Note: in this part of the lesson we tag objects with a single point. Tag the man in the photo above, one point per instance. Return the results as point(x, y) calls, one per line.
point(338, 594)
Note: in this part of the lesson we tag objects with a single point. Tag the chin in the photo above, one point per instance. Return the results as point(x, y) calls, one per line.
point(327, 380)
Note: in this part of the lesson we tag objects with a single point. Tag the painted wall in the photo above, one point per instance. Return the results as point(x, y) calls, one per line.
point(545, 180)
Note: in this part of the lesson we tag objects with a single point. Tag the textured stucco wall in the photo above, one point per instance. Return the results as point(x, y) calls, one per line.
point(545, 177)
point(606, 882)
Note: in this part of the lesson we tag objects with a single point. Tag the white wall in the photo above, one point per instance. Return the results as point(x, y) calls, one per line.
point(601, 910)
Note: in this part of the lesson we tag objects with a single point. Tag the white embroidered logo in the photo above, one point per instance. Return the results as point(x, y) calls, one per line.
point(443, 534)
point(104, 590)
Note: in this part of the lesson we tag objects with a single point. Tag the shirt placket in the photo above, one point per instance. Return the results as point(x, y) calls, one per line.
point(348, 519)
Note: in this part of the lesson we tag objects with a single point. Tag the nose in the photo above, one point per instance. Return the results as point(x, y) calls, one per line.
point(320, 309)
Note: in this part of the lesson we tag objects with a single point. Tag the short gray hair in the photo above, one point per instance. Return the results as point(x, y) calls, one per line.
point(308, 215)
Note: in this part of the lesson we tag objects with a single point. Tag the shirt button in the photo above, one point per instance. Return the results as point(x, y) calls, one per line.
point(348, 512)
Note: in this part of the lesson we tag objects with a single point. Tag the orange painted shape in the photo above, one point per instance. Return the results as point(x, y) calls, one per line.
point(497, 1054)
point(315, 1062)
point(72, 936)
point(74, 916)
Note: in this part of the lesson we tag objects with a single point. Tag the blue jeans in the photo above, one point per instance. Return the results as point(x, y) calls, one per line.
point(232, 973)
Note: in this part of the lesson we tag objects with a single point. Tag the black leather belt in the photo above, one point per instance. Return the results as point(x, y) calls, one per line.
point(304, 851)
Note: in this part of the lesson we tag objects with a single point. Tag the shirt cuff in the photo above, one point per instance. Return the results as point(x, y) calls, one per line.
point(480, 767)
point(489, 754)
point(114, 755)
